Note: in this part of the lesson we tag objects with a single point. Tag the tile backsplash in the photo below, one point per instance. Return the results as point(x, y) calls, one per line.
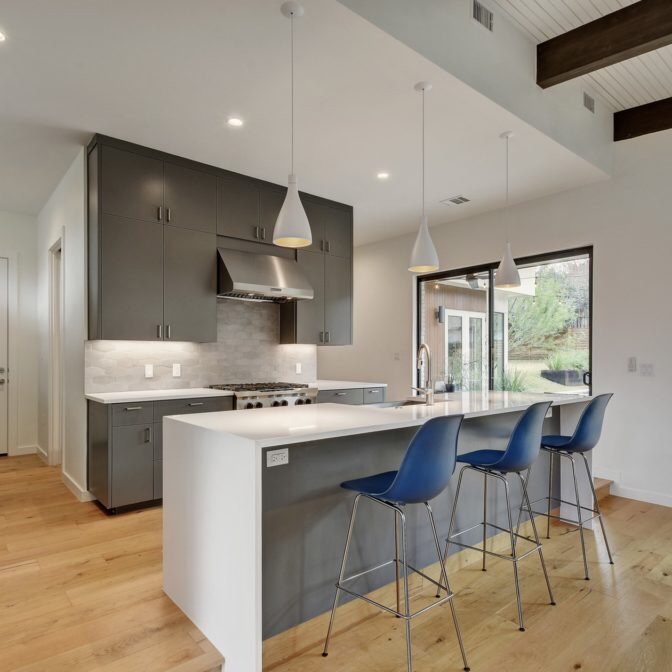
point(247, 350)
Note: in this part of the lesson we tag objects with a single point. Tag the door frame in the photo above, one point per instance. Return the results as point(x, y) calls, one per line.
point(56, 406)
point(12, 349)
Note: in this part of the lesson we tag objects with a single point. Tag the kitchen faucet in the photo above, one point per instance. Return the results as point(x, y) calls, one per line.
point(428, 389)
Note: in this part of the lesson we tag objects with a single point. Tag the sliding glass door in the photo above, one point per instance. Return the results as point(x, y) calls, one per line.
point(534, 338)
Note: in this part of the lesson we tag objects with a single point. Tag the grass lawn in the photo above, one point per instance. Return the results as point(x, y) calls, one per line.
point(535, 383)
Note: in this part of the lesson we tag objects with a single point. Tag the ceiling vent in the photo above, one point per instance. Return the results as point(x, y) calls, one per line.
point(456, 200)
point(589, 102)
point(483, 15)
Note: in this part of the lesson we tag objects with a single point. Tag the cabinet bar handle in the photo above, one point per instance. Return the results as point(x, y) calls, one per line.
point(321, 246)
point(133, 408)
point(327, 246)
point(321, 337)
point(148, 434)
point(327, 337)
point(263, 233)
point(168, 214)
point(340, 394)
point(159, 212)
point(256, 232)
point(159, 331)
point(168, 331)
point(197, 403)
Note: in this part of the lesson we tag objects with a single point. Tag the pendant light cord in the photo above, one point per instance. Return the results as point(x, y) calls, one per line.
point(423, 152)
point(292, 88)
point(506, 206)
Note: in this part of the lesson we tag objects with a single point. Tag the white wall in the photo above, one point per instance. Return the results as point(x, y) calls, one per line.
point(64, 215)
point(18, 236)
point(628, 219)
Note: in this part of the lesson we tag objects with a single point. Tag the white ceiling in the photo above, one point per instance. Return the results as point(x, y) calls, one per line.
point(167, 73)
point(630, 83)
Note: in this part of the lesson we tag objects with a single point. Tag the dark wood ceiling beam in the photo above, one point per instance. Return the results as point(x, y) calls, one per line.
point(636, 29)
point(644, 119)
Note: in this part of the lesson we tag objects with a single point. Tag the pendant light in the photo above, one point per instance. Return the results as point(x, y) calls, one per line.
point(424, 258)
point(292, 228)
point(507, 273)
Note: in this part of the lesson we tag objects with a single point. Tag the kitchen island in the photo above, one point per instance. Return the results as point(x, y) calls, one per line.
point(255, 521)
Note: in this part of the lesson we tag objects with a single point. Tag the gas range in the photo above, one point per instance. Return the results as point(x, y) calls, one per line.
point(268, 395)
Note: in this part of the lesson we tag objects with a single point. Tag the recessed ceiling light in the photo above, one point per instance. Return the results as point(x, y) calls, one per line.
point(234, 121)
point(383, 175)
point(3, 37)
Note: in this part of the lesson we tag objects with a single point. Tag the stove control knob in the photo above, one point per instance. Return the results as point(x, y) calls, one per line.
point(299, 402)
point(275, 404)
point(284, 402)
point(259, 405)
point(249, 405)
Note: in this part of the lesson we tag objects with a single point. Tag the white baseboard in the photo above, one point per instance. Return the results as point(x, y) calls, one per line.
point(641, 495)
point(42, 454)
point(23, 450)
point(82, 494)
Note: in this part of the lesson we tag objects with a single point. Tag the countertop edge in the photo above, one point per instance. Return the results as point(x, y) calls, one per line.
point(154, 395)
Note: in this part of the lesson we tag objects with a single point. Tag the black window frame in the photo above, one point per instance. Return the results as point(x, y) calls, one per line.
point(490, 269)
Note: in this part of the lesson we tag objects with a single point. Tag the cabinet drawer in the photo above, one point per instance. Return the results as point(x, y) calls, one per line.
point(340, 397)
point(183, 406)
point(132, 414)
point(374, 395)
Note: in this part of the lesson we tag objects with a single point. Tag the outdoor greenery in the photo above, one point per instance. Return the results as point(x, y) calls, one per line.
point(566, 360)
point(512, 380)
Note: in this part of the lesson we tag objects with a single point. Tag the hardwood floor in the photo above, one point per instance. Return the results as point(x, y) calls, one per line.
point(81, 592)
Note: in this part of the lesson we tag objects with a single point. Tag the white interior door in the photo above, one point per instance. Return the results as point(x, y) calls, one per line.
point(466, 349)
point(4, 338)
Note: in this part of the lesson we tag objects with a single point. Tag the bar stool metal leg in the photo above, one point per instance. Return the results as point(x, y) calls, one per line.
point(550, 491)
point(342, 574)
point(597, 507)
point(485, 516)
point(515, 561)
point(396, 560)
point(407, 600)
point(579, 515)
point(452, 522)
point(526, 499)
point(444, 578)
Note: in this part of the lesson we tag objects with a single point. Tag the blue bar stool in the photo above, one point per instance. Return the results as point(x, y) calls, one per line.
point(424, 473)
point(585, 438)
point(523, 448)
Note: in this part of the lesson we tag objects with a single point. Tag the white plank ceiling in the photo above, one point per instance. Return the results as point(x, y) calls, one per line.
point(627, 84)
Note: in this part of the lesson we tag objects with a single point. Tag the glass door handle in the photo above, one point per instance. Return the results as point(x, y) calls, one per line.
point(586, 378)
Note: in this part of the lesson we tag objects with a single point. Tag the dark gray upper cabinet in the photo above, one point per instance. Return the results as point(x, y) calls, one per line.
point(331, 227)
point(310, 314)
point(238, 209)
point(190, 285)
point(131, 279)
point(270, 204)
point(190, 198)
point(132, 185)
point(337, 300)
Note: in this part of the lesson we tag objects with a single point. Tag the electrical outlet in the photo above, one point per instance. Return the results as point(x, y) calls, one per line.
point(298, 368)
point(275, 458)
point(177, 370)
point(149, 370)
point(646, 370)
point(396, 357)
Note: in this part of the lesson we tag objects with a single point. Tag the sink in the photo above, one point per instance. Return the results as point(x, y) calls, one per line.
point(398, 404)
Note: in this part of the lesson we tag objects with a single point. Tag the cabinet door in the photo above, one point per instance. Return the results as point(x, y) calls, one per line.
point(131, 279)
point(190, 198)
point(131, 185)
point(238, 209)
point(190, 285)
point(337, 300)
point(132, 465)
point(270, 203)
point(158, 479)
point(338, 232)
point(310, 314)
point(316, 216)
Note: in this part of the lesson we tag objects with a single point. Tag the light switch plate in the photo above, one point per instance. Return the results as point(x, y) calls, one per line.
point(632, 364)
point(275, 458)
point(149, 371)
point(177, 370)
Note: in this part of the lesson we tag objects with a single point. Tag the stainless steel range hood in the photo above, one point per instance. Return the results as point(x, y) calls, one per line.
point(260, 277)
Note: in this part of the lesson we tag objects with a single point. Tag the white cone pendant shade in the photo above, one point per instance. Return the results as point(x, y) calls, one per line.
point(424, 258)
point(292, 228)
point(507, 273)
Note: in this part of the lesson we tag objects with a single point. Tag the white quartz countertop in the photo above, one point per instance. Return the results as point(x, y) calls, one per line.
point(344, 385)
point(155, 395)
point(296, 424)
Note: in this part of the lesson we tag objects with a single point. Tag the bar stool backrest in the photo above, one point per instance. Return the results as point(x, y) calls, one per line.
point(428, 464)
point(525, 441)
point(589, 427)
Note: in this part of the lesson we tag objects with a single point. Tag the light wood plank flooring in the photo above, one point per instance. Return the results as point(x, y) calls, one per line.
point(81, 592)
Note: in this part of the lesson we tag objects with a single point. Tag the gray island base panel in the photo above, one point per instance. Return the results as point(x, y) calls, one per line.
point(251, 551)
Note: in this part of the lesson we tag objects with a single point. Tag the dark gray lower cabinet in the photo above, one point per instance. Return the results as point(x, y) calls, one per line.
point(125, 447)
point(353, 396)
